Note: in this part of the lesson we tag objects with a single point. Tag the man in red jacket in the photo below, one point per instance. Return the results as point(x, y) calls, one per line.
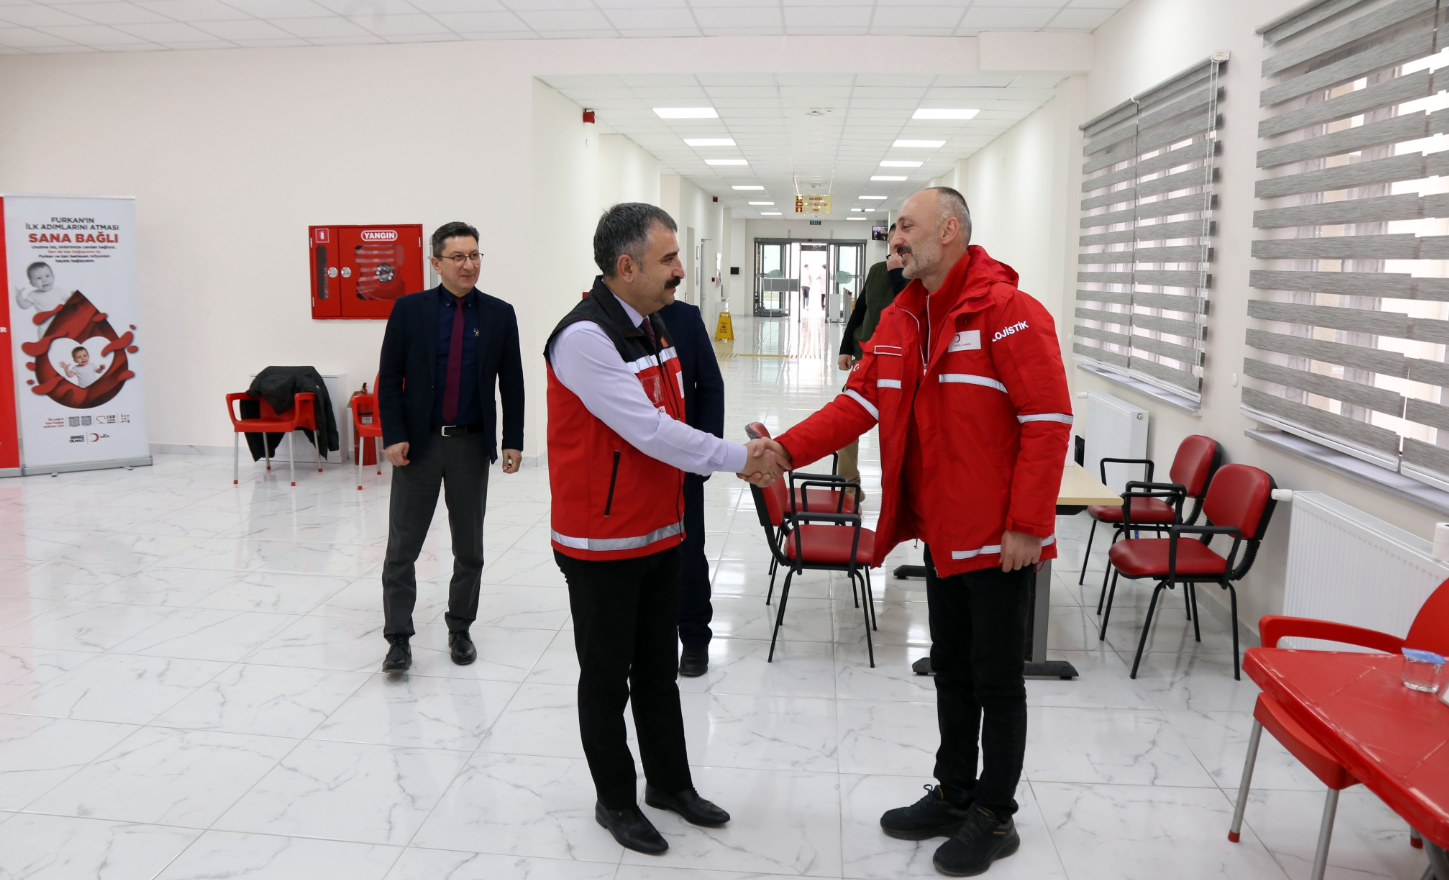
point(964, 375)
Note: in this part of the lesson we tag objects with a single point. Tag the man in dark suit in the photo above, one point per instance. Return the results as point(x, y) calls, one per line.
point(442, 353)
point(704, 411)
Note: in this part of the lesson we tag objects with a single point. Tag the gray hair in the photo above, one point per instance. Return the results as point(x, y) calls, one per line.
point(953, 204)
point(456, 229)
point(624, 229)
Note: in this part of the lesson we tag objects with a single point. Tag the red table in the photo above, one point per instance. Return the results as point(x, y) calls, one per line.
point(1392, 739)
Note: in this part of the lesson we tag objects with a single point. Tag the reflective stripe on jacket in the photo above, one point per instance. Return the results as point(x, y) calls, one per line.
point(611, 501)
point(990, 401)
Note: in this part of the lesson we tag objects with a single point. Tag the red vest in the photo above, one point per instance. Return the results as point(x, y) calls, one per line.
point(611, 501)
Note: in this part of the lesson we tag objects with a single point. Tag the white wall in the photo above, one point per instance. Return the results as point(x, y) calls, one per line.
point(627, 173)
point(1145, 43)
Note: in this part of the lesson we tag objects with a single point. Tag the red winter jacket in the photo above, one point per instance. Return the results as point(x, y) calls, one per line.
point(991, 407)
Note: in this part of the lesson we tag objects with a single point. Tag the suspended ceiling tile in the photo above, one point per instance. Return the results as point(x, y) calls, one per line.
point(39, 16)
point(95, 35)
point(565, 20)
point(480, 22)
point(1007, 17)
point(330, 28)
point(653, 19)
point(415, 24)
point(167, 33)
point(123, 13)
point(740, 17)
point(236, 31)
point(1081, 19)
point(275, 9)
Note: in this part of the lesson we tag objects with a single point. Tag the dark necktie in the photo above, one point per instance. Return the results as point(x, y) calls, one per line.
point(455, 365)
point(648, 329)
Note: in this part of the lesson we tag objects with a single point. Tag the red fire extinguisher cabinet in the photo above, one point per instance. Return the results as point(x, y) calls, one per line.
point(357, 271)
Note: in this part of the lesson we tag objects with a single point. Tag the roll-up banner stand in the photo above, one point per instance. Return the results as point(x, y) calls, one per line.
point(71, 394)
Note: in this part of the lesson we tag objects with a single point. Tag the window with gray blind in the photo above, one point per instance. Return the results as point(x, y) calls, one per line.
point(1144, 264)
point(1350, 293)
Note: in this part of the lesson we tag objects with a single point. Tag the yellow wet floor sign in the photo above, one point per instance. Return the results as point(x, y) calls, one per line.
point(724, 331)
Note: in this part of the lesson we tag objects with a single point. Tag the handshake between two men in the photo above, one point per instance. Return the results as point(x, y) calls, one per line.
point(767, 462)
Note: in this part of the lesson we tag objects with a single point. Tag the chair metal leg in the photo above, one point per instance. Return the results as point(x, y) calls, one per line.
point(1189, 592)
point(780, 615)
point(774, 567)
point(1233, 594)
point(853, 596)
point(292, 456)
point(317, 450)
point(870, 597)
point(377, 453)
point(360, 457)
point(869, 645)
point(1234, 830)
point(1088, 554)
point(1325, 834)
point(1146, 627)
point(236, 458)
point(267, 451)
point(1102, 636)
point(1187, 600)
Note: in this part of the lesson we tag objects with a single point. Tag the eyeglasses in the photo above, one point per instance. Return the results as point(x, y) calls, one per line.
point(460, 259)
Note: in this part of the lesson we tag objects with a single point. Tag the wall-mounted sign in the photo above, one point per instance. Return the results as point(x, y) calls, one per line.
point(812, 204)
point(816, 222)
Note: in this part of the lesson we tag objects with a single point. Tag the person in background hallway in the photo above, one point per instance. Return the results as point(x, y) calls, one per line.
point(704, 411)
point(964, 375)
point(882, 283)
point(442, 352)
point(618, 447)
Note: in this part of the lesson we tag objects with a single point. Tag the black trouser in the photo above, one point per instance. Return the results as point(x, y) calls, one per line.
point(695, 611)
point(459, 465)
point(978, 649)
point(624, 628)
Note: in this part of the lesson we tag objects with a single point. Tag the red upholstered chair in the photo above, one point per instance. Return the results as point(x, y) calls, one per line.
point(1239, 504)
point(303, 414)
point(813, 540)
point(1197, 459)
point(371, 430)
point(1429, 631)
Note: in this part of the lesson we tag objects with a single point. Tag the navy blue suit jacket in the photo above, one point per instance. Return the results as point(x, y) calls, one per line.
point(703, 385)
point(405, 379)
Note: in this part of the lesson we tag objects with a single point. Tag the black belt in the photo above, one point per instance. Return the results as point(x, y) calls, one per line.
point(458, 430)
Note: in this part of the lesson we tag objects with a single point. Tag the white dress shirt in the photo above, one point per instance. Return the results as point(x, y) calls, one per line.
point(585, 360)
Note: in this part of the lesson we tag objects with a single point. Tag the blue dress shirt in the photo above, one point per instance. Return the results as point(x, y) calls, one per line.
point(470, 410)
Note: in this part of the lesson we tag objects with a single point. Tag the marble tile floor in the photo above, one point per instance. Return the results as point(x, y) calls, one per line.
point(189, 689)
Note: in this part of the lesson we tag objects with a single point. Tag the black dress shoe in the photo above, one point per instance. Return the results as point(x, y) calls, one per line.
point(460, 645)
point(692, 663)
point(695, 809)
point(632, 829)
point(399, 656)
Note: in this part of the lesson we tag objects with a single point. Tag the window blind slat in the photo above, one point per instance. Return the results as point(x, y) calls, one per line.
point(1193, 305)
point(1372, 210)
point(1195, 102)
point(1105, 277)
point(1389, 131)
point(1324, 422)
point(1116, 236)
point(1172, 134)
point(1108, 258)
point(1428, 372)
point(1432, 458)
point(1117, 297)
point(1185, 353)
point(1179, 205)
point(1126, 194)
point(1404, 246)
point(1378, 399)
point(1185, 329)
point(1397, 285)
point(1103, 335)
point(1393, 324)
point(1171, 278)
point(1100, 354)
point(1423, 412)
point(1345, 34)
point(1121, 319)
point(1419, 84)
point(1386, 363)
point(1176, 229)
point(1300, 20)
point(1111, 218)
point(1429, 330)
point(1120, 136)
point(1411, 166)
point(1179, 378)
point(1351, 68)
point(1197, 151)
point(1192, 177)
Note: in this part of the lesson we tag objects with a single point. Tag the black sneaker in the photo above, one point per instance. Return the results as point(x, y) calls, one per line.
point(399, 656)
point(931, 816)
point(984, 837)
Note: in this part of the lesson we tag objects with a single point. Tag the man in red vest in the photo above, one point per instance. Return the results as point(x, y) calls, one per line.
point(964, 376)
point(618, 447)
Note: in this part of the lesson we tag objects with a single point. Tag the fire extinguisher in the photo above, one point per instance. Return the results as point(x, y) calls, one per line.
point(364, 408)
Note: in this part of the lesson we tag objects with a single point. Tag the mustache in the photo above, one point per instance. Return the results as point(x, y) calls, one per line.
point(673, 283)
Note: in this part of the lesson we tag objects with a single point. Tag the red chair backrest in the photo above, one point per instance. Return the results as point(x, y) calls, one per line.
point(776, 497)
point(1196, 460)
point(1238, 496)
point(1430, 630)
point(305, 410)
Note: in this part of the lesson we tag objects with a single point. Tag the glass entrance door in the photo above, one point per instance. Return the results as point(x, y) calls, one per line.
point(777, 276)
point(848, 264)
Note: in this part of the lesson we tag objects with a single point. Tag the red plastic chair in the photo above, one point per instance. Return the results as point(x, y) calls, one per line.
point(367, 430)
point(303, 414)
point(800, 543)
point(1197, 459)
point(1430, 631)
point(1238, 504)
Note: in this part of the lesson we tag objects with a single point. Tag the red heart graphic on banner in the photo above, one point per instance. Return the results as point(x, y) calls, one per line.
point(79, 319)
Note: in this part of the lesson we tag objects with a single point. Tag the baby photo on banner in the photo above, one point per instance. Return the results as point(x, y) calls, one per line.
point(74, 322)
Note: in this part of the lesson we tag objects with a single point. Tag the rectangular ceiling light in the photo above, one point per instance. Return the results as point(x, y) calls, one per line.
point(714, 142)
point(753, 187)
point(762, 203)
point(857, 218)
point(686, 113)
point(875, 198)
point(770, 213)
point(919, 145)
point(726, 162)
point(857, 209)
point(886, 177)
point(900, 163)
point(937, 113)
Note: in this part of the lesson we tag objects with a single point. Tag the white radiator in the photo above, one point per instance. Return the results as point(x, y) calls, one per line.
point(1114, 428)
point(1349, 567)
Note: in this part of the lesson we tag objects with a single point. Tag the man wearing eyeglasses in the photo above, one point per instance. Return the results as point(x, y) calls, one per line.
point(442, 353)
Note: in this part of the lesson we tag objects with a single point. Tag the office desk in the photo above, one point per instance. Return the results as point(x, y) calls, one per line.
point(1078, 490)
